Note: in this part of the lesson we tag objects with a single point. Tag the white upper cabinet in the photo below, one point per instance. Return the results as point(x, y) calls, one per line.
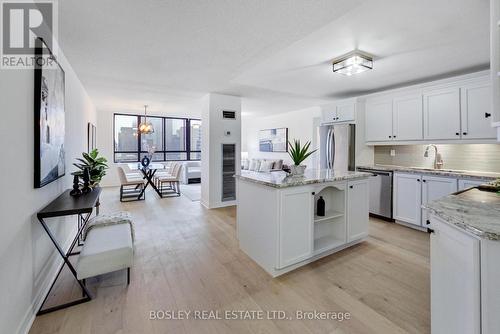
point(442, 114)
point(453, 111)
point(342, 111)
point(476, 112)
point(407, 118)
point(378, 126)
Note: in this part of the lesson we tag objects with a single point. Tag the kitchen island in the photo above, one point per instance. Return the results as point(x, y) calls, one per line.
point(465, 271)
point(277, 221)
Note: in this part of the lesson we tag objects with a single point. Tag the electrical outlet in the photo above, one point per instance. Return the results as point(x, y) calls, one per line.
point(393, 153)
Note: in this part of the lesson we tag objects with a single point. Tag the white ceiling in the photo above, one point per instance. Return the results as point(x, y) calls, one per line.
point(275, 54)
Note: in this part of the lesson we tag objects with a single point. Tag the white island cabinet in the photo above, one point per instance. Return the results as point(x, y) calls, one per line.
point(465, 270)
point(277, 221)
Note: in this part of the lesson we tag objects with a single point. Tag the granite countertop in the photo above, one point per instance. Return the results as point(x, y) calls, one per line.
point(279, 179)
point(463, 174)
point(474, 211)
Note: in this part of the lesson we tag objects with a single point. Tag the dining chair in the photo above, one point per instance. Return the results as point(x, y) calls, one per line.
point(130, 187)
point(167, 171)
point(173, 180)
point(131, 173)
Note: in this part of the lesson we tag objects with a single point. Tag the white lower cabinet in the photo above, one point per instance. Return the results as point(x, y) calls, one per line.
point(434, 188)
point(466, 184)
point(296, 225)
point(411, 191)
point(302, 234)
point(407, 199)
point(455, 281)
point(357, 207)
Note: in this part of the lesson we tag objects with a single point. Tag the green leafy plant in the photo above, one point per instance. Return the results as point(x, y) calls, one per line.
point(299, 153)
point(97, 166)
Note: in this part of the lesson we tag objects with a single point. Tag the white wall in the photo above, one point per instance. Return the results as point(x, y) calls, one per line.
point(213, 136)
point(105, 135)
point(27, 257)
point(301, 124)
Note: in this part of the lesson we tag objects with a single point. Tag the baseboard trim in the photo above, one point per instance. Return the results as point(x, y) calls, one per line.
point(415, 227)
point(30, 315)
point(219, 204)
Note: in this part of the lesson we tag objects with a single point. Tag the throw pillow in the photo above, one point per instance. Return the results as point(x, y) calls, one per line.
point(266, 166)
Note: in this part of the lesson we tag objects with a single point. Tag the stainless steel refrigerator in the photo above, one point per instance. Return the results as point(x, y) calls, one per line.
point(337, 147)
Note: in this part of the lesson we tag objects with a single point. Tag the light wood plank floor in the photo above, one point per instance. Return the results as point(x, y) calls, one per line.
point(187, 258)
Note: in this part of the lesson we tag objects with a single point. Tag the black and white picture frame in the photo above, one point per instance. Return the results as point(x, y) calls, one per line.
point(91, 137)
point(49, 120)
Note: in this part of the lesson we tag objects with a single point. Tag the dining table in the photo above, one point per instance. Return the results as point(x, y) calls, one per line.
point(148, 173)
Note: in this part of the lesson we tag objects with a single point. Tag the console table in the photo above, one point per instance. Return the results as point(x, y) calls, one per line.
point(66, 205)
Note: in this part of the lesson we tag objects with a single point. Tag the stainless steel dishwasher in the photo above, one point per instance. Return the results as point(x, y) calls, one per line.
point(380, 193)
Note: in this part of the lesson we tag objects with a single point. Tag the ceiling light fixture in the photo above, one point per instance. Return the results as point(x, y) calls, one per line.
point(353, 63)
point(146, 127)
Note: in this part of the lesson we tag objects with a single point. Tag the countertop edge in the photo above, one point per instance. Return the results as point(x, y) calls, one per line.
point(299, 182)
point(449, 219)
point(472, 175)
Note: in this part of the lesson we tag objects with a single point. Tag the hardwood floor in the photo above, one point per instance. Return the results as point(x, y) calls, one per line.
point(187, 258)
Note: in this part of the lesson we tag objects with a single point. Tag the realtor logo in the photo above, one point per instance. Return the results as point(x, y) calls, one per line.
point(22, 23)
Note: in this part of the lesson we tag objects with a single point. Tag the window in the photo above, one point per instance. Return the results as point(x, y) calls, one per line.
point(195, 139)
point(173, 138)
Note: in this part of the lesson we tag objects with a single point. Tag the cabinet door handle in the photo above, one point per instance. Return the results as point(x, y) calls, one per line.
point(394, 136)
point(457, 133)
point(430, 230)
point(464, 133)
point(313, 193)
point(487, 114)
point(390, 136)
point(351, 187)
point(424, 180)
point(418, 180)
point(428, 222)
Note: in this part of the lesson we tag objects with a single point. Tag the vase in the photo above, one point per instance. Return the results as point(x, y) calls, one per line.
point(297, 170)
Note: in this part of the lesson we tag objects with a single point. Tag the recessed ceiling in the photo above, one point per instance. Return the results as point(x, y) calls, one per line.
point(275, 54)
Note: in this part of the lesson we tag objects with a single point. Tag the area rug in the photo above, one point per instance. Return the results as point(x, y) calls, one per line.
point(192, 191)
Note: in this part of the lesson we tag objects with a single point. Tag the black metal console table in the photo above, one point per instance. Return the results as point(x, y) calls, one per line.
point(66, 205)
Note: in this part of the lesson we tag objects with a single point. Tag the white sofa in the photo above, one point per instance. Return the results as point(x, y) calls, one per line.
point(262, 165)
point(190, 170)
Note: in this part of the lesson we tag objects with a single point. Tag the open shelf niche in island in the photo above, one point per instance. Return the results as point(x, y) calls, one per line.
point(330, 230)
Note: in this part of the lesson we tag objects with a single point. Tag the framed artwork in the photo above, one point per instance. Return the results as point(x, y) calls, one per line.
point(91, 137)
point(49, 94)
point(273, 140)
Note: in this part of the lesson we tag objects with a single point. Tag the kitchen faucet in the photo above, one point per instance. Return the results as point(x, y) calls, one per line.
point(438, 159)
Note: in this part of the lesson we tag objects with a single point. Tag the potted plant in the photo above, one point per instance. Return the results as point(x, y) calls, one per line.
point(96, 165)
point(298, 154)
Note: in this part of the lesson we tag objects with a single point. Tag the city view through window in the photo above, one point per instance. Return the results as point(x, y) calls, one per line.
point(172, 139)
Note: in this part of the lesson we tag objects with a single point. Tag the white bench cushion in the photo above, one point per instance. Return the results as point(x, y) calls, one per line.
point(106, 249)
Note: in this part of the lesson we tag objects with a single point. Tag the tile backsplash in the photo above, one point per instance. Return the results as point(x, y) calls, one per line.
point(473, 157)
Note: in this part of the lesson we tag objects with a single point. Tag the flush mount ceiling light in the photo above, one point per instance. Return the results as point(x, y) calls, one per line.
point(146, 127)
point(353, 63)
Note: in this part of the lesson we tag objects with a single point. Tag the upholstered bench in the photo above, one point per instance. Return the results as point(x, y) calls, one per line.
point(107, 248)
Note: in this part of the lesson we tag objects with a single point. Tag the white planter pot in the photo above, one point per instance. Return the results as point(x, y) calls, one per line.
point(297, 170)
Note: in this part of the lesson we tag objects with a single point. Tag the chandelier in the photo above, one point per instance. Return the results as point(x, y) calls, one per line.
point(146, 127)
